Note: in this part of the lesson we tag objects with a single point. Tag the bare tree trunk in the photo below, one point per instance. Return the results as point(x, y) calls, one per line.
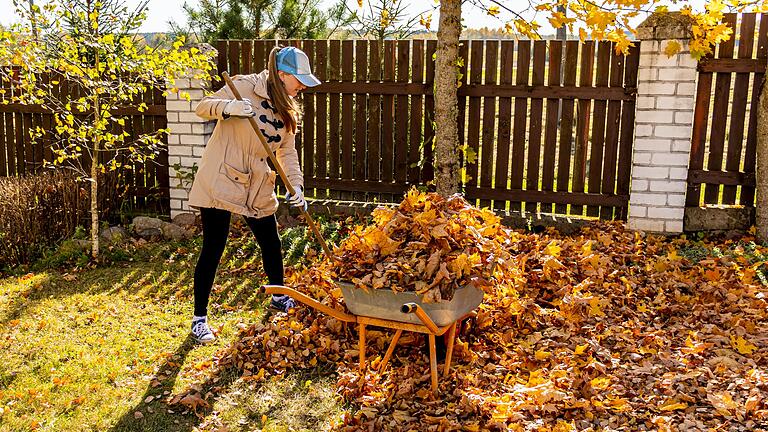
point(446, 101)
point(95, 167)
point(562, 32)
point(761, 171)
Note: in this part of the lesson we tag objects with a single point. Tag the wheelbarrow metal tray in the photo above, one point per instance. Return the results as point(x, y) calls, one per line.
point(385, 304)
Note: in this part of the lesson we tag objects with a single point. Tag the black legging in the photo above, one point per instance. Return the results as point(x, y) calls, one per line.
point(215, 233)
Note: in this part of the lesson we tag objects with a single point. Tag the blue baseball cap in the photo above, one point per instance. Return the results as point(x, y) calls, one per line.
point(295, 62)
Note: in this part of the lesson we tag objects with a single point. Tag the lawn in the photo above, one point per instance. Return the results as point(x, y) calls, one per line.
point(102, 348)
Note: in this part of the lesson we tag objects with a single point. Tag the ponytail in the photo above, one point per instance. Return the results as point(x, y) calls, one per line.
point(287, 107)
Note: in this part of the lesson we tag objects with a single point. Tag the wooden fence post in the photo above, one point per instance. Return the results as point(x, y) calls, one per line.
point(663, 125)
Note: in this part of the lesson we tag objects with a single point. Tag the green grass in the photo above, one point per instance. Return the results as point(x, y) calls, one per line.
point(102, 348)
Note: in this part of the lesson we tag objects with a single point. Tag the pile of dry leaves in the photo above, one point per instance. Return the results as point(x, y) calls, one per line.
point(604, 330)
point(427, 244)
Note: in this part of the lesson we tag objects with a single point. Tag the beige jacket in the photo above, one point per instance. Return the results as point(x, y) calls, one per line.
point(233, 174)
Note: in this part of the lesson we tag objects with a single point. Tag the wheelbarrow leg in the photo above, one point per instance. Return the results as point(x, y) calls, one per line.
point(390, 350)
point(361, 346)
point(433, 362)
point(449, 350)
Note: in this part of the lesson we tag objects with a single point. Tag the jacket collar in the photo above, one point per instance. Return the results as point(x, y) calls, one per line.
point(259, 82)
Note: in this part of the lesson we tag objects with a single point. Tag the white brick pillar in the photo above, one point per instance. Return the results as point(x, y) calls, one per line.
point(663, 125)
point(187, 138)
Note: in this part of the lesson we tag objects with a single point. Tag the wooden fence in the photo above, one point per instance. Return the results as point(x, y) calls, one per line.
point(546, 126)
point(723, 144)
point(146, 185)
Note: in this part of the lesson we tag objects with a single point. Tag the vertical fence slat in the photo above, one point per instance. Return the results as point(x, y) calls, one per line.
point(427, 172)
point(321, 122)
point(612, 135)
point(401, 113)
point(233, 58)
point(149, 181)
point(18, 121)
point(739, 108)
point(414, 140)
point(308, 128)
point(221, 60)
point(388, 115)
point(388, 118)
point(259, 56)
point(519, 128)
point(374, 116)
point(489, 119)
point(334, 106)
point(550, 133)
point(347, 113)
point(748, 192)
point(3, 135)
point(462, 100)
point(247, 47)
point(361, 73)
point(610, 155)
point(626, 142)
point(501, 178)
point(163, 181)
point(699, 134)
point(566, 124)
point(594, 183)
point(534, 131)
point(9, 153)
point(473, 125)
point(719, 115)
point(54, 83)
point(583, 111)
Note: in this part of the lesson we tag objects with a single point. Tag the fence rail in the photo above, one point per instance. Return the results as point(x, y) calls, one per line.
point(146, 185)
point(546, 126)
point(723, 144)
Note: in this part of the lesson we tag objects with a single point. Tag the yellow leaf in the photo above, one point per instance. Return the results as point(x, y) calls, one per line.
point(580, 349)
point(493, 10)
point(673, 406)
point(600, 383)
point(742, 345)
point(673, 47)
point(542, 355)
point(552, 249)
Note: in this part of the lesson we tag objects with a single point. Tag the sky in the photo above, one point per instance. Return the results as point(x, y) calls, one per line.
point(161, 11)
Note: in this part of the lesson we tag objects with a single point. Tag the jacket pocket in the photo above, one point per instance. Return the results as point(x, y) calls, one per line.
point(231, 185)
point(264, 196)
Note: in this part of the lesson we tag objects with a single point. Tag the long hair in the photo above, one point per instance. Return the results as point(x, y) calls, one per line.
point(287, 107)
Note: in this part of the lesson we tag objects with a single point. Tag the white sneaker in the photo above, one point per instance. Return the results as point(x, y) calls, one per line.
point(202, 332)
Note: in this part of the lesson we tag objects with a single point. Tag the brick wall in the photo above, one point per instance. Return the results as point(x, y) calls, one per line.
point(663, 124)
point(186, 141)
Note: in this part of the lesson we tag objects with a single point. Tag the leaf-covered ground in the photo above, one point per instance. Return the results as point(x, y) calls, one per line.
point(605, 330)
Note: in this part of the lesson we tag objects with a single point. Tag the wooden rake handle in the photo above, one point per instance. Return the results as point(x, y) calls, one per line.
point(279, 170)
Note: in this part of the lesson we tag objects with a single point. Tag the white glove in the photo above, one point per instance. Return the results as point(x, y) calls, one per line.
point(239, 108)
point(296, 200)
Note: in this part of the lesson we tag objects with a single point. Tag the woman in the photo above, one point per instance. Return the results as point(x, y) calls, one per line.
point(233, 176)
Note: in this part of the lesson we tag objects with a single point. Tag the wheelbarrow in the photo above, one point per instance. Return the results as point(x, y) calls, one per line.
point(398, 311)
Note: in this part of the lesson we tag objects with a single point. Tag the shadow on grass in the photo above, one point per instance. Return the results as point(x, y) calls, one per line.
point(156, 279)
point(156, 415)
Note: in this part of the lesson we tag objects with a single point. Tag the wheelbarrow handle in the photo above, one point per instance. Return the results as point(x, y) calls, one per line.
point(307, 300)
point(416, 309)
